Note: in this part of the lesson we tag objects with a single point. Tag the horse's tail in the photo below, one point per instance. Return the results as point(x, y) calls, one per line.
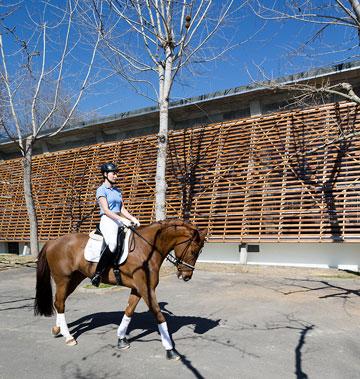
point(43, 305)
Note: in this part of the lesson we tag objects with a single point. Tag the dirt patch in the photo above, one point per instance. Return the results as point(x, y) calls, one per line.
point(8, 261)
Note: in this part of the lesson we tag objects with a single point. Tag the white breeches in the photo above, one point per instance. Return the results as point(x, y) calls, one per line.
point(109, 229)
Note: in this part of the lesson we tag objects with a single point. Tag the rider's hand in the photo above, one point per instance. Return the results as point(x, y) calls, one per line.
point(135, 221)
point(124, 222)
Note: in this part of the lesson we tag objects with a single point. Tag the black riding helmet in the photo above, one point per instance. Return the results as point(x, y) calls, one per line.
point(108, 167)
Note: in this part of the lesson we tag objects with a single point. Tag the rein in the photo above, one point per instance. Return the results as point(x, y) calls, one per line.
point(171, 258)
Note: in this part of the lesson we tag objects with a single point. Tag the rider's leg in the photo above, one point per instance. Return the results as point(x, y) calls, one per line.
point(120, 244)
point(104, 262)
point(109, 230)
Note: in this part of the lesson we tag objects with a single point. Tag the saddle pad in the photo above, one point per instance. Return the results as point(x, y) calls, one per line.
point(94, 247)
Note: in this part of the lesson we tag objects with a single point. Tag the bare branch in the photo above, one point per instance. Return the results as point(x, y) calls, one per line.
point(41, 77)
point(143, 33)
point(82, 89)
point(10, 95)
point(316, 18)
point(61, 65)
point(211, 34)
point(136, 25)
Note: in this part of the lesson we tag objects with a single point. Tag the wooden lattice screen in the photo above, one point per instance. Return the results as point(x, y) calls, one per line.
point(272, 178)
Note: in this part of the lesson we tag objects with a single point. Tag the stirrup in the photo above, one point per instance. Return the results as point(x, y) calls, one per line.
point(95, 280)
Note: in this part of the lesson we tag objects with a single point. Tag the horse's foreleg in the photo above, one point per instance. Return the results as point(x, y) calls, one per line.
point(150, 298)
point(133, 301)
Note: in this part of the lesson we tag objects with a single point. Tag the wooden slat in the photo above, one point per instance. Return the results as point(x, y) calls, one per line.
point(255, 180)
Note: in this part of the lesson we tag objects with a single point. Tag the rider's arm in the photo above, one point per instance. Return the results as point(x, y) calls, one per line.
point(124, 212)
point(105, 207)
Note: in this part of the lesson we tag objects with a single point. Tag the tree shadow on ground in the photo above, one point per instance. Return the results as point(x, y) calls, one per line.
point(292, 323)
point(300, 374)
point(312, 285)
point(17, 306)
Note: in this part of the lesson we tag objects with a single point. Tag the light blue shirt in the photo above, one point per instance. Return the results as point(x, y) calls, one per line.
point(113, 196)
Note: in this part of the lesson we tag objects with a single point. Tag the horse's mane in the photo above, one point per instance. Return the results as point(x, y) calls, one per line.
point(176, 222)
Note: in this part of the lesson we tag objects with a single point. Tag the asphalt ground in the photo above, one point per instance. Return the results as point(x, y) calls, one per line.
point(227, 322)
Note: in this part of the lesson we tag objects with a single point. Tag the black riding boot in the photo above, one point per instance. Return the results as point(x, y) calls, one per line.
point(103, 264)
point(117, 254)
point(120, 246)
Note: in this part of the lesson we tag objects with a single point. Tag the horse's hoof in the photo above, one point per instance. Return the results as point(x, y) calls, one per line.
point(71, 341)
point(172, 355)
point(123, 344)
point(55, 331)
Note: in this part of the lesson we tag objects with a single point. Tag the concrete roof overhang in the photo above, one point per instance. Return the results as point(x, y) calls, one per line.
point(191, 107)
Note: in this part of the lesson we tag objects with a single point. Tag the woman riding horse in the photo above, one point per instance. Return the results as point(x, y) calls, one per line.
point(112, 208)
point(63, 260)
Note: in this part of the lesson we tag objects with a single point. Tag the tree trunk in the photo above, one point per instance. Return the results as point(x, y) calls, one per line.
point(356, 8)
point(29, 200)
point(164, 91)
point(160, 194)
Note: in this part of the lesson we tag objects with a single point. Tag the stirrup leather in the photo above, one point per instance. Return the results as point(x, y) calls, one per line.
point(117, 275)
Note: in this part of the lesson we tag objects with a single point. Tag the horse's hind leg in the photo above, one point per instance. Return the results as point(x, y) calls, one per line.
point(64, 287)
point(133, 301)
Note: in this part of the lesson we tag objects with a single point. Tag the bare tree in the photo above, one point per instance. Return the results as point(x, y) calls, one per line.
point(161, 37)
point(338, 148)
point(35, 61)
point(344, 15)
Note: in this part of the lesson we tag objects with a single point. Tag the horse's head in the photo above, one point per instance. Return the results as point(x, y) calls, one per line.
point(188, 244)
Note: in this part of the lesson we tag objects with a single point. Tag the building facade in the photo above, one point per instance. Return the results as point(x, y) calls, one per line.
point(272, 187)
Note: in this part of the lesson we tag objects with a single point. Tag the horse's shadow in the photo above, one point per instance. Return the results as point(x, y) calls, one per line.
point(144, 321)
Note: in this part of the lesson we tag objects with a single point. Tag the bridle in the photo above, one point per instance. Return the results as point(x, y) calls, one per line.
point(179, 261)
point(171, 258)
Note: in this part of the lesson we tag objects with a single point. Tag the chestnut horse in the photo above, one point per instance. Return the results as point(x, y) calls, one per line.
point(63, 260)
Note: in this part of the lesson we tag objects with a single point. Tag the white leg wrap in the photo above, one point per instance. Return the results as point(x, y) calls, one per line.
point(61, 321)
point(121, 332)
point(165, 337)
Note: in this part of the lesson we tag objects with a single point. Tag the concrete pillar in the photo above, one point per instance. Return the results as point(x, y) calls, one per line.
point(243, 253)
point(26, 250)
point(99, 137)
point(171, 124)
point(255, 108)
point(44, 147)
point(3, 248)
